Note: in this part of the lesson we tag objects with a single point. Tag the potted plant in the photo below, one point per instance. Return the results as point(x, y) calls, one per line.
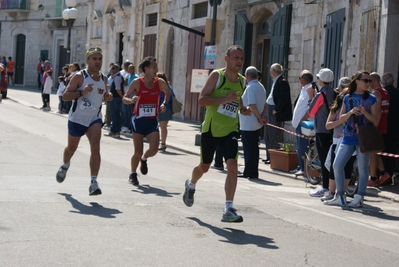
point(284, 158)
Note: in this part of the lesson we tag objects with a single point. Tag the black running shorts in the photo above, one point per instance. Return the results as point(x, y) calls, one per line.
point(228, 144)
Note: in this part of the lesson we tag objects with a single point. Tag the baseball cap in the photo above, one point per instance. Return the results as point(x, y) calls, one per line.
point(326, 75)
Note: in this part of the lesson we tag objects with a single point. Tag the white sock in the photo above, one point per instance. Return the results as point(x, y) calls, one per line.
point(229, 204)
point(191, 185)
point(66, 165)
point(93, 179)
point(143, 158)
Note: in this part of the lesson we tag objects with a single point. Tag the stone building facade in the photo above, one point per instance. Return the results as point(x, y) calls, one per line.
point(344, 35)
point(35, 29)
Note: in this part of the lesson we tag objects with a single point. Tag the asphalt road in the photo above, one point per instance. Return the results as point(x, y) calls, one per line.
point(43, 223)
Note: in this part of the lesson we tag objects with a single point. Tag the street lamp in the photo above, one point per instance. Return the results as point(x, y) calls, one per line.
point(70, 14)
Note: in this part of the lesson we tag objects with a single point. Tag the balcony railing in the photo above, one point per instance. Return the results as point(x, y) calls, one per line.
point(14, 5)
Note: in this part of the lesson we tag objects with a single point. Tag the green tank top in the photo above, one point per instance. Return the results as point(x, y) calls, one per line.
point(222, 120)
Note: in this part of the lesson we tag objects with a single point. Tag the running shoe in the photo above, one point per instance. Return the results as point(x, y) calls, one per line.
point(143, 167)
point(230, 215)
point(94, 189)
point(61, 174)
point(318, 192)
point(373, 183)
point(188, 196)
point(385, 179)
point(133, 179)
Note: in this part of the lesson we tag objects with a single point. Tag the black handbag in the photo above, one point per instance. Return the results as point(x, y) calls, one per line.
point(369, 136)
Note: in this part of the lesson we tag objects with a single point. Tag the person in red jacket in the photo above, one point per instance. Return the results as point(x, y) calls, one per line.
point(3, 81)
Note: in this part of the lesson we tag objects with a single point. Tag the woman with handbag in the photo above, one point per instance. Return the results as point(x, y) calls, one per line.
point(358, 108)
point(164, 117)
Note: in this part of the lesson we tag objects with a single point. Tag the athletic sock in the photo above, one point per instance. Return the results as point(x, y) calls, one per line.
point(191, 185)
point(66, 165)
point(229, 204)
point(93, 179)
point(143, 158)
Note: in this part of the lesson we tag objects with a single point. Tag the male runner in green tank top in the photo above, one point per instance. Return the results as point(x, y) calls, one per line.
point(222, 97)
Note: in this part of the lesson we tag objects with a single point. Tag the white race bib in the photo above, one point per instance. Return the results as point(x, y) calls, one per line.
point(85, 104)
point(147, 110)
point(229, 109)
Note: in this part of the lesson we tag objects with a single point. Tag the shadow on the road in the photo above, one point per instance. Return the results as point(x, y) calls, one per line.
point(264, 182)
point(238, 237)
point(147, 190)
point(170, 153)
point(374, 212)
point(95, 208)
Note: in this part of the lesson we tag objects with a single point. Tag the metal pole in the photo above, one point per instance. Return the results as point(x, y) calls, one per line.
point(213, 32)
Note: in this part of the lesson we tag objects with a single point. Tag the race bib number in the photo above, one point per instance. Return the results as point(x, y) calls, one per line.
point(147, 110)
point(86, 104)
point(229, 109)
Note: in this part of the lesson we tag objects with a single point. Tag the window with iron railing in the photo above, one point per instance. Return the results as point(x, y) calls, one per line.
point(152, 19)
point(200, 10)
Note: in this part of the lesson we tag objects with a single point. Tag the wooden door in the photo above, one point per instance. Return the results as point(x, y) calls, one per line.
point(279, 41)
point(195, 56)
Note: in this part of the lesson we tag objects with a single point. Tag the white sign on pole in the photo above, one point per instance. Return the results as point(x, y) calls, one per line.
point(198, 80)
point(210, 57)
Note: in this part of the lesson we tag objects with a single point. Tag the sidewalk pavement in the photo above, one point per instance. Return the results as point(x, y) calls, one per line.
point(181, 136)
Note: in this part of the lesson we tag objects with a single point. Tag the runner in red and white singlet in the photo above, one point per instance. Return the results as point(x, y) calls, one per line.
point(147, 90)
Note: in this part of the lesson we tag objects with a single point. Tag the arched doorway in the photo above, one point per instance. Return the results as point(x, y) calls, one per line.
point(20, 59)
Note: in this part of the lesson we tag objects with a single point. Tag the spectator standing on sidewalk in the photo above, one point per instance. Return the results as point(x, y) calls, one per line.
point(279, 109)
point(147, 90)
point(3, 82)
point(126, 111)
point(166, 116)
point(114, 68)
point(47, 67)
point(392, 137)
point(10, 71)
point(319, 109)
point(60, 92)
point(301, 114)
point(221, 95)
point(48, 85)
point(115, 106)
point(40, 70)
point(87, 90)
point(334, 123)
point(358, 102)
point(382, 97)
point(254, 99)
point(4, 62)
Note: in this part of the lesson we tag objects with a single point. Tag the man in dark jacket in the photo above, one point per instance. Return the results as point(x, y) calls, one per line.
point(279, 109)
point(392, 136)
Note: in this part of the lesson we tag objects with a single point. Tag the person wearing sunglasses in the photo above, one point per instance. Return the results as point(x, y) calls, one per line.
point(360, 103)
point(87, 89)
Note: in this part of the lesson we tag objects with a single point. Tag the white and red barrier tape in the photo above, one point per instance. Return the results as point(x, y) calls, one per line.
point(293, 133)
point(312, 138)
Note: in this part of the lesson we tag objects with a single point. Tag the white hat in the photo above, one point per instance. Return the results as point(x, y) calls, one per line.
point(326, 75)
